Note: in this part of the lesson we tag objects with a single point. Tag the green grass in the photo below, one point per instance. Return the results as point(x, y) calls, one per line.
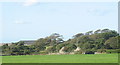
point(89, 58)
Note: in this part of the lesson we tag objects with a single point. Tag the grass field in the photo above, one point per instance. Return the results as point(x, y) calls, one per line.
point(90, 58)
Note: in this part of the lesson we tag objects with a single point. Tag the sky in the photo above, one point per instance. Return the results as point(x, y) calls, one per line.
point(34, 20)
point(60, 0)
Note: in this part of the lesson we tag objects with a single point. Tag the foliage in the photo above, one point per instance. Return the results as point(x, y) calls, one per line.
point(113, 51)
point(112, 43)
point(89, 42)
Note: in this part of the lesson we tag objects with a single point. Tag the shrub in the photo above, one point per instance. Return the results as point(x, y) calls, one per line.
point(43, 52)
point(101, 50)
point(113, 51)
point(78, 52)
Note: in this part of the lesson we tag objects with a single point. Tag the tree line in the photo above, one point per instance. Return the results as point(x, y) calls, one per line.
point(104, 40)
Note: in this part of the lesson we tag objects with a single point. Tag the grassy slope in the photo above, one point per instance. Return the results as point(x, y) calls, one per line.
point(98, 58)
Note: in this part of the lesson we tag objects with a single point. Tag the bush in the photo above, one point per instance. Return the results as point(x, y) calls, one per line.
point(43, 52)
point(101, 50)
point(78, 52)
point(113, 51)
point(35, 53)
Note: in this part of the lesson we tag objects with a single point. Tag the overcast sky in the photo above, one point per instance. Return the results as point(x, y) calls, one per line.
point(33, 20)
